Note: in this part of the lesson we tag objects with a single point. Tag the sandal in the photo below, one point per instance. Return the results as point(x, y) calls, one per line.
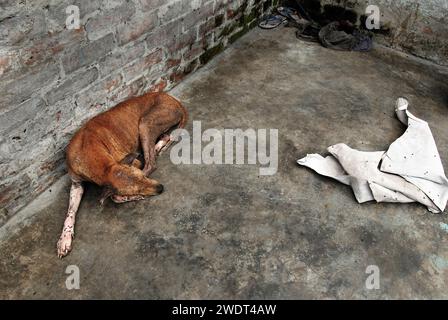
point(271, 21)
point(294, 17)
point(309, 32)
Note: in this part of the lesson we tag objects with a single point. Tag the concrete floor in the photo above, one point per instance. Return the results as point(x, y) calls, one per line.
point(221, 231)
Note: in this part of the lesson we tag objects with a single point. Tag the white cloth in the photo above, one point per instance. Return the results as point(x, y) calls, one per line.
point(410, 171)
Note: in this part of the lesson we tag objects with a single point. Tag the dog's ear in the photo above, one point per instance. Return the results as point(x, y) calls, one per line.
point(129, 158)
point(107, 192)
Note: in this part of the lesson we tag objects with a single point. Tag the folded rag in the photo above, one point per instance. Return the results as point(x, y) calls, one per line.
point(409, 171)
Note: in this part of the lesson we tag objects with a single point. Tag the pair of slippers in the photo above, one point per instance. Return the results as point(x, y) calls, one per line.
point(306, 30)
point(283, 14)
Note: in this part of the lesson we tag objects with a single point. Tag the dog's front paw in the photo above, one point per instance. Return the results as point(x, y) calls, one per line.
point(64, 245)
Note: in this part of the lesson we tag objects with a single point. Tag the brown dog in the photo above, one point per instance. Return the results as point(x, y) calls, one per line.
point(104, 151)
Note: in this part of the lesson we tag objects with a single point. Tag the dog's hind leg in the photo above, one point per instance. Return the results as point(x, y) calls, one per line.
point(147, 128)
point(68, 231)
point(158, 124)
point(169, 137)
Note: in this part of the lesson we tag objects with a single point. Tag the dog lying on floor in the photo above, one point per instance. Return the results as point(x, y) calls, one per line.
point(104, 151)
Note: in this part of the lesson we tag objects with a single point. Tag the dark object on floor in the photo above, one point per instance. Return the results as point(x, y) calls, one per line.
point(364, 43)
point(302, 11)
point(293, 16)
point(308, 32)
point(297, 6)
point(307, 29)
point(271, 21)
point(344, 36)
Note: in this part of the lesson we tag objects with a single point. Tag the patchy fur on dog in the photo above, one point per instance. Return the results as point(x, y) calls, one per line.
point(105, 152)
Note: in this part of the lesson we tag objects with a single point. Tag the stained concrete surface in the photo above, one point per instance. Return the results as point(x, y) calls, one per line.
point(222, 231)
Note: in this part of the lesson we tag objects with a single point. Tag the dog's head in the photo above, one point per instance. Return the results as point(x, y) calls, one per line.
point(126, 180)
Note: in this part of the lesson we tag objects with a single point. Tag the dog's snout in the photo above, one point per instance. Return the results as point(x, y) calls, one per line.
point(159, 188)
